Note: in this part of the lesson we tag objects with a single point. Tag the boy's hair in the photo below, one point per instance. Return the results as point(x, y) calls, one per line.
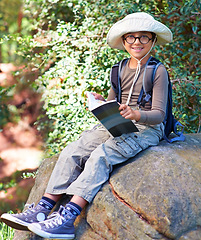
point(153, 36)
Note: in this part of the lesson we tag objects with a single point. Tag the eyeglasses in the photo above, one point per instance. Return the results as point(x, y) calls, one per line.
point(130, 39)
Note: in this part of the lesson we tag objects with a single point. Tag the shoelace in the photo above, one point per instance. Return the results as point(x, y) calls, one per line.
point(56, 218)
point(29, 210)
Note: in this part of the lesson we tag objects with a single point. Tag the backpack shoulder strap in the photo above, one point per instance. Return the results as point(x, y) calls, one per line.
point(152, 64)
point(115, 77)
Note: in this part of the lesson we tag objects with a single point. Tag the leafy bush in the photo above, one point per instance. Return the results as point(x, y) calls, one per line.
point(6, 233)
point(70, 53)
point(183, 60)
point(4, 111)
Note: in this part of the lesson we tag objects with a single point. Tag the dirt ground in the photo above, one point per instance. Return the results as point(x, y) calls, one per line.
point(19, 153)
point(20, 146)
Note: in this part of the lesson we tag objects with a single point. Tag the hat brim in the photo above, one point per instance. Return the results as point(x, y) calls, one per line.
point(114, 36)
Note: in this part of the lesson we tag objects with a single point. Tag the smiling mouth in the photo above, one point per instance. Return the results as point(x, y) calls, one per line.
point(137, 48)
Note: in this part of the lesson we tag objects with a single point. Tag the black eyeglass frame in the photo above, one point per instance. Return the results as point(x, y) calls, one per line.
point(134, 38)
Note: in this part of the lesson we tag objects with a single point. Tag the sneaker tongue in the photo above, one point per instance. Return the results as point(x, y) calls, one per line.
point(63, 213)
point(67, 214)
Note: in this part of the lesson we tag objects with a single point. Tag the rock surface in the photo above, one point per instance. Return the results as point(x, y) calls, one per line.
point(156, 195)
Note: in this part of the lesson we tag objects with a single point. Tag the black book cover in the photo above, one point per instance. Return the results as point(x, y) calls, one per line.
point(109, 115)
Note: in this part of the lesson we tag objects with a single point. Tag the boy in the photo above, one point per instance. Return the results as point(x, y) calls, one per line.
point(84, 165)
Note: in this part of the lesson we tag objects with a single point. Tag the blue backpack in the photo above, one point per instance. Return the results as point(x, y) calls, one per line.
point(170, 122)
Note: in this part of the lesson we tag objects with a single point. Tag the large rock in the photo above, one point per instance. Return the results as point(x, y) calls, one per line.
point(156, 195)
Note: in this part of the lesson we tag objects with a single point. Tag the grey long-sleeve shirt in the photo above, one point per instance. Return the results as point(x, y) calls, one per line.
point(150, 115)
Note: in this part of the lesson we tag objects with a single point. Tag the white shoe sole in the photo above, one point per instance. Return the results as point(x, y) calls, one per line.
point(14, 222)
point(33, 227)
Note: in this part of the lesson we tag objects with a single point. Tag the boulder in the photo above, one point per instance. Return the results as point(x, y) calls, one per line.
point(156, 195)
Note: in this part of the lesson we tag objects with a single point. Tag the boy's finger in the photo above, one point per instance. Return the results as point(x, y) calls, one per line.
point(122, 107)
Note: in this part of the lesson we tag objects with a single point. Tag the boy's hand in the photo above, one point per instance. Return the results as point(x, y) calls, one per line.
point(98, 96)
point(128, 113)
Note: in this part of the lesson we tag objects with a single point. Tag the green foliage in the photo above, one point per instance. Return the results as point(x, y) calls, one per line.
point(5, 186)
point(8, 111)
point(6, 233)
point(183, 60)
point(70, 53)
point(4, 111)
point(45, 15)
point(26, 175)
point(8, 13)
point(9, 23)
point(13, 26)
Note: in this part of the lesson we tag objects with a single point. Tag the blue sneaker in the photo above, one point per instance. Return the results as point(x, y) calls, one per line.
point(22, 220)
point(58, 225)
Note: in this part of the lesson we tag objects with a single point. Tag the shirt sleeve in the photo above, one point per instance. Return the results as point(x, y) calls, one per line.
point(111, 95)
point(159, 99)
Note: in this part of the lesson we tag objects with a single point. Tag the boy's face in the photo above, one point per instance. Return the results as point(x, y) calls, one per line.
point(137, 44)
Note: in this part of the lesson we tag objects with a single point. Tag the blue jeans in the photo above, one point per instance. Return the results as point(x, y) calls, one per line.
point(84, 165)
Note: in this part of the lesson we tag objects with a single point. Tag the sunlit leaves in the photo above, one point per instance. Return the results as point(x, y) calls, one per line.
point(70, 52)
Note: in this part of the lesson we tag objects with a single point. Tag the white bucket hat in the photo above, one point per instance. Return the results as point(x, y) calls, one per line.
point(136, 22)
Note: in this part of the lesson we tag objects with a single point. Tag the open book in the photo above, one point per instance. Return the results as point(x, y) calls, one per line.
point(109, 116)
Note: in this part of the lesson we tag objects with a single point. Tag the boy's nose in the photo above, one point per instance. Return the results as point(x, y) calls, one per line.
point(137, 41)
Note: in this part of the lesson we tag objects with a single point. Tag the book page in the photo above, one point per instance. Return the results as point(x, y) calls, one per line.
point(92, 102)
